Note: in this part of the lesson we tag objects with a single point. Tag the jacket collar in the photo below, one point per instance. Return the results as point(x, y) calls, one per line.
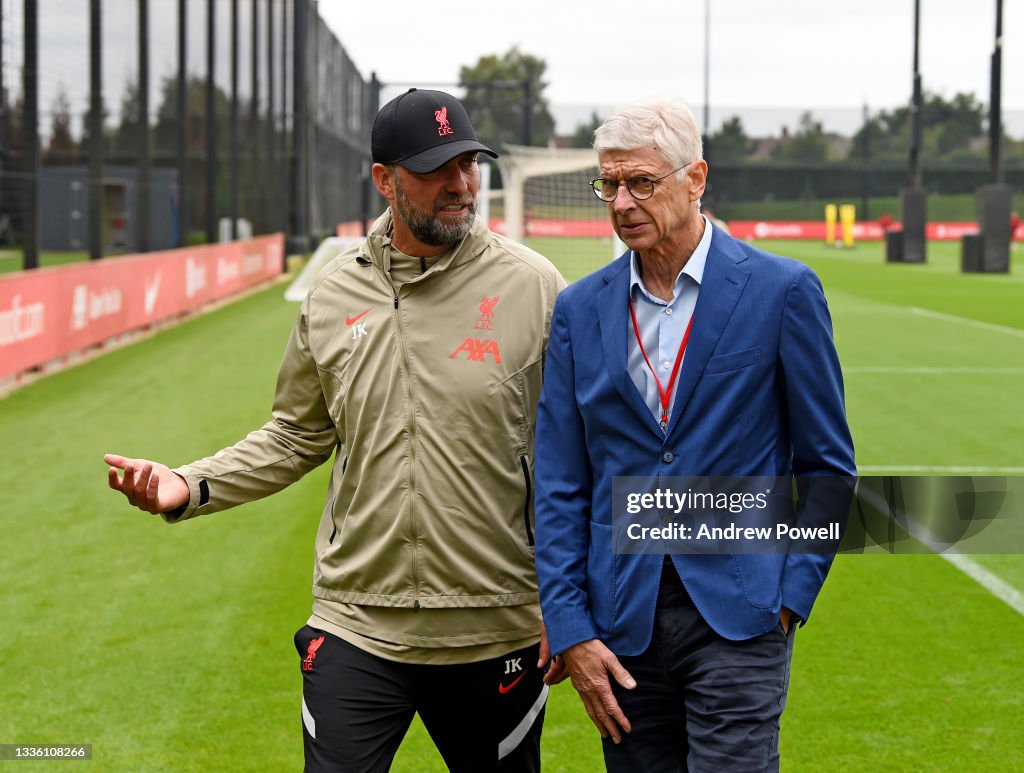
point(380, 234)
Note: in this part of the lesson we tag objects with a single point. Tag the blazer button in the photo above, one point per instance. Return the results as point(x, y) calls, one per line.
point(667, 457)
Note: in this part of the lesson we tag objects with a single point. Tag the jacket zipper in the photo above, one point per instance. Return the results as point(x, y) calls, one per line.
point(403, 346)
point(529, 494)
point(334, 523)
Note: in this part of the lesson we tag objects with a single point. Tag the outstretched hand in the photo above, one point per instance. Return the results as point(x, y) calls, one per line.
point(150, 486)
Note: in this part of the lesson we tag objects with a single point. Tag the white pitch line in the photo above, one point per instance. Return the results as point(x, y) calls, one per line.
point(925, 370)
point(994, 585)
point(1013, 331)
point(989, 581)
point(873, 309)
point(957, 469)
point(986, 579)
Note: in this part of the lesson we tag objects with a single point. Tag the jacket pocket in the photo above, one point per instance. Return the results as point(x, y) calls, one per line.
point(525, 464)
point(760, 577)
point(334, 504)
point(733, 360)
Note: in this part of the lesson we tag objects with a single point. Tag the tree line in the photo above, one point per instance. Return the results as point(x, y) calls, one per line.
point(505, 94)
point(955, 130)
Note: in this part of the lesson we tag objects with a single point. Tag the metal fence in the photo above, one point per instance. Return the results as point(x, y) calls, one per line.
point(136, 125)
point(770, 182)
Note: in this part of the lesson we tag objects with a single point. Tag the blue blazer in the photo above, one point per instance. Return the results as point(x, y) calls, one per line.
point(760, 393)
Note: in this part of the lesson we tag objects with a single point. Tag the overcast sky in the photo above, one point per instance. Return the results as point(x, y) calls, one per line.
point(800, 54)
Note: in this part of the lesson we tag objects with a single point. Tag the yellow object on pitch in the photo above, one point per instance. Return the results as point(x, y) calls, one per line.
point(847, 217)
point(830, 224)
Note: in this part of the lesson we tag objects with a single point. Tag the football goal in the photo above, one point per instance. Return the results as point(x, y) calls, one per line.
point(547, 203)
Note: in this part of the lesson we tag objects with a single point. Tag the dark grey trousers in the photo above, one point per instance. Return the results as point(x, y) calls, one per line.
point(702, 703)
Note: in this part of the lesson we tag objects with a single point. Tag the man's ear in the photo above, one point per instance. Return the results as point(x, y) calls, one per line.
point(698, 178)
point(384, 179)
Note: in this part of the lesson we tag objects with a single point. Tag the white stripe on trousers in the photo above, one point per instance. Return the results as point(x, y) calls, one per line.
point(513, 739)
point(308, 721)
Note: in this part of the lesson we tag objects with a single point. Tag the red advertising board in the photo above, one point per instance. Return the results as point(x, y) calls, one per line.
point(742, 229)
point(815, 229)
point(48, 313)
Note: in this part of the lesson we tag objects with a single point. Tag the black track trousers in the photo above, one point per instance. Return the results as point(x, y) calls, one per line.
point(357, 707)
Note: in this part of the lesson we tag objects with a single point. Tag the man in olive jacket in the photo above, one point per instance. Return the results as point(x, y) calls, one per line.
point(416, 360)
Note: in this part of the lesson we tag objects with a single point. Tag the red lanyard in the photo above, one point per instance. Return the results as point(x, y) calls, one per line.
point(665, 392)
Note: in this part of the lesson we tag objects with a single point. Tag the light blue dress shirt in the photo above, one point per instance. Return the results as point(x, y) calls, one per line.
point(663, 324)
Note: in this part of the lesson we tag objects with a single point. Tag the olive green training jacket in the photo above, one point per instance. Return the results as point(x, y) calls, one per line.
point(428, 392)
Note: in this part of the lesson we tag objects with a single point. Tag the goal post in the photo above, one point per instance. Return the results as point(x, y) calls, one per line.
point(548, 204)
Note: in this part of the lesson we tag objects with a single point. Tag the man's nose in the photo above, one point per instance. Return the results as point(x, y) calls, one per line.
point(457, 179)
point(623, 201)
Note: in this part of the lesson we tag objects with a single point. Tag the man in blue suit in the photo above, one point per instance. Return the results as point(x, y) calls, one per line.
point(693, 354)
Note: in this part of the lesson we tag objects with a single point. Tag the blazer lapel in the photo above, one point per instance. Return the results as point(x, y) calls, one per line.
point(613, 320)
point(723, 283)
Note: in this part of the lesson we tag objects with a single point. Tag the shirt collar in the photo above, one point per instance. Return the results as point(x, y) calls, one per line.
point(694, 268)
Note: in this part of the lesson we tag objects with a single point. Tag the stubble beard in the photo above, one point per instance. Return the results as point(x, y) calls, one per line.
point(430, 229)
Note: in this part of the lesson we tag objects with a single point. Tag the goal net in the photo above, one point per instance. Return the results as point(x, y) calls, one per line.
point(547, 203)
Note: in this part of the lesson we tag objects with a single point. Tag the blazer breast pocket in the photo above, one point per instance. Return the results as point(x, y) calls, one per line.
point(723, 363)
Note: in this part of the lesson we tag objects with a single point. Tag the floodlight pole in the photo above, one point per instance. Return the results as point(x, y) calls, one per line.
point(910, 245)
point(30, 137)
point(995, 108)
point(182, 127)
point(707, 68)
point(3, 114)
point(95, 130)
point(212, 157)
point(144, 166)
point(3, 94)
point(708, 197)
point(527, 112)
point(915, 107)
point(233, 126)
point(300, 241)
point(991, 253)
point(866, 171)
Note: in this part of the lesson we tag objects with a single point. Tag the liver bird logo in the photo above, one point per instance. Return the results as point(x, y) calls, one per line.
point(307, 662)
point(441, 116)
point(487, 313)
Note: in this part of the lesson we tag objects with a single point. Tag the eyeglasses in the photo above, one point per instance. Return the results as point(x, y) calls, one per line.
point(639, 188)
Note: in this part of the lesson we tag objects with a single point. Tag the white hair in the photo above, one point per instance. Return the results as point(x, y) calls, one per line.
point(667, 124)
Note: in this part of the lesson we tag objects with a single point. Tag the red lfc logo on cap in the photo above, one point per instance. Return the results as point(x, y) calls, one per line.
point(442, 119)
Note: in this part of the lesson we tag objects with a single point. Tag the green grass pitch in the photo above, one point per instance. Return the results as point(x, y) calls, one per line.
point(169, 648)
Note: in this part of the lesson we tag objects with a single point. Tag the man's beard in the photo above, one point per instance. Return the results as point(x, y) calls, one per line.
point(426, 226)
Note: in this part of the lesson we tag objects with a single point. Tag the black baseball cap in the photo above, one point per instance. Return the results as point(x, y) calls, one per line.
point(422, 130)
